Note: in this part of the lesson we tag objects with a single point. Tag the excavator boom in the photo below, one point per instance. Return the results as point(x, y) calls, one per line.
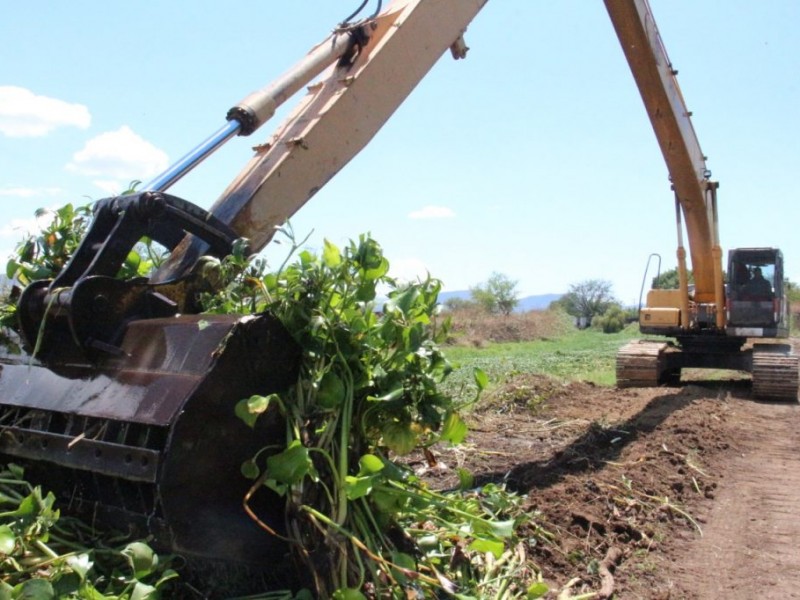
point(335, 120)
point(655, 77)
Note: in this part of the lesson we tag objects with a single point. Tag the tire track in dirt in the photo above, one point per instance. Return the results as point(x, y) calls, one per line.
point(749, 547)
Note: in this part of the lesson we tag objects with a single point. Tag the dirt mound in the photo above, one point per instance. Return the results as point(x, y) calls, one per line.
point(474, 327)
point(623, 483)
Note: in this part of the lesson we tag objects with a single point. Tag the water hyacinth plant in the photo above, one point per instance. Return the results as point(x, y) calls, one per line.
point(358, 523)
point(368, 393)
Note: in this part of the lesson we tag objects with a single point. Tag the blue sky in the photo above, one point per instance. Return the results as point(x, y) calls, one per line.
point(533, 157)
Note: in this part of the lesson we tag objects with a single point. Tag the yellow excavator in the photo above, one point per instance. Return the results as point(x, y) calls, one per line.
point(112, 409)
point(714, 322)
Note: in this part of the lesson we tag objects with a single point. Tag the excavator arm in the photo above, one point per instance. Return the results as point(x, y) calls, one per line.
point(695, 194)
point(338, 117)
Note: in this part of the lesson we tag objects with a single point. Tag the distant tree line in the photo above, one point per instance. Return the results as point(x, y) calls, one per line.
point(497, 295)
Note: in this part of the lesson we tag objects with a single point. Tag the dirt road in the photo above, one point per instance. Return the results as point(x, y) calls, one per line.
point(685, 492)
point(750, 543)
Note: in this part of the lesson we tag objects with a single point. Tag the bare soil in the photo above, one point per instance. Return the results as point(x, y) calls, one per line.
point(672, 492)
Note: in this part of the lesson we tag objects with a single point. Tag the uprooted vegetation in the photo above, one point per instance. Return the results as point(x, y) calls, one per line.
point(355, 522)
point(615, 479)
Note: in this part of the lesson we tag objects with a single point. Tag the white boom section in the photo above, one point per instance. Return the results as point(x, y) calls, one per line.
point(338, 117)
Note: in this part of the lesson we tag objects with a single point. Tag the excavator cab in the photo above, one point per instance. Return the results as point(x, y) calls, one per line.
point(756, 303)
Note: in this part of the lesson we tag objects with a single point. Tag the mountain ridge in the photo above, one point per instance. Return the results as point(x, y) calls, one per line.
point(524, 304)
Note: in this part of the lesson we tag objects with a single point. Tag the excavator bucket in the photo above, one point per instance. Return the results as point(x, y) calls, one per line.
point(150, 439)
point(126, 407)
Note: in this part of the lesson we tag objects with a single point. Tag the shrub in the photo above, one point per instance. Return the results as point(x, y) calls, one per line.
point(611, 321)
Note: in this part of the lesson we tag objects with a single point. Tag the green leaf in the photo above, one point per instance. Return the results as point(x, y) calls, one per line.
point(166, 576)
point(405, 562)
point(395, 394)
point(142, 591)
point(7, 540)
point(378, 271)
point(369, 463)
point(133, 260)
point(257, 405)
point(388, 502)
point(26, 508)
point(249, 409)
point(486, 545)
point(537, 590)
point(502, 529)
point(405, 300)
point(348, 594)
point(466, 480)
point(80, 564)
point(454, 429)
point(250, 469)
point(331, 255)
point(11, 268)
point(243, 412)
point(86, 592)
point(358, 487)
point(481, 378)
point(278, 488)
point(291, 465)
point(34, 589)
point(331, 392)
point(141, 559)
point(399, 437)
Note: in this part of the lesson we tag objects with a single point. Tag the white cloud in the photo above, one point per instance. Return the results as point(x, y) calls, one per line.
point(408, 269)
point(121, 155)
point(432, 212)
point(111, 187)
point(25, 114)
point(22, 192)
point(14, 231)
point(21, 227)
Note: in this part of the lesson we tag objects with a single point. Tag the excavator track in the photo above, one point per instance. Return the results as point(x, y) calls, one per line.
point(640, 364)
point(775, 372)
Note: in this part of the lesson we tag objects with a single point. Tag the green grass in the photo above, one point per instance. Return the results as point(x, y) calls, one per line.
point(586, 355)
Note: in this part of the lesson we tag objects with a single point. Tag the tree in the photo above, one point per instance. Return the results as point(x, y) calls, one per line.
point(588, 299)
point(497, 295)
point(455, 304)
point(792, 290)
point(611, 321)
point(668, 280)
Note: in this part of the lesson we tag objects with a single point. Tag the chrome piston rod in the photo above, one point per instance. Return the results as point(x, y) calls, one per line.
point(252, 112)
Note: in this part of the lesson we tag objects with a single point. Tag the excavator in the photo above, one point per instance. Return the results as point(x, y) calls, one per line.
point(715, 324)
point(108, 396)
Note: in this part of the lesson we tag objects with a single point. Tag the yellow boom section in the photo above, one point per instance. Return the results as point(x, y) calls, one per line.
point(655, 77)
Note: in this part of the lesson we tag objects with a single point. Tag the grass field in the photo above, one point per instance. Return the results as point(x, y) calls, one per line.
point(587, 355)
